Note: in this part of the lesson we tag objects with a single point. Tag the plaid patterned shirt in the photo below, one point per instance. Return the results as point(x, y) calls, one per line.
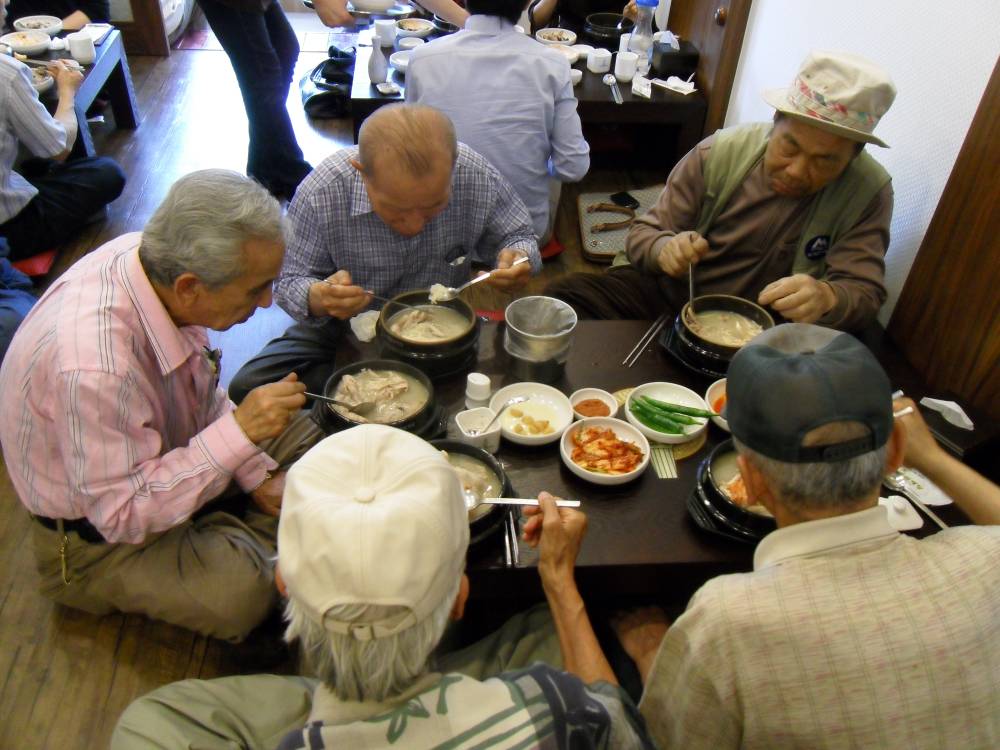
point(846, 635)
point(537, 707)
point(334, 227)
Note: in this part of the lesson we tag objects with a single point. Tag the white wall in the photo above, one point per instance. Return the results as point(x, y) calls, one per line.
point(940, 54)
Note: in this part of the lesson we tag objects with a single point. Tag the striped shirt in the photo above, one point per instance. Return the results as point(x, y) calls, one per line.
point(538, 707)
point(24, 120)
point(523, 119)
point(334, 227)
point(846, 635)
point(113, 413)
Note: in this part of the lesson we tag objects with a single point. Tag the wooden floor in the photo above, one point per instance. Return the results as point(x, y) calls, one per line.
point(67, 675)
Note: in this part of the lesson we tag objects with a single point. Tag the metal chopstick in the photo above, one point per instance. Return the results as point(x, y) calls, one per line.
point(930, 514)
point(514, 549)
point(644, 341)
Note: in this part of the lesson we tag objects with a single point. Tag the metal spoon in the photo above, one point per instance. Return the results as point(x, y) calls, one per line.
point(472, 501)
point(510, 402)
point(451, 292)
point(358, 408)
point(610, 80)
point(372, 294)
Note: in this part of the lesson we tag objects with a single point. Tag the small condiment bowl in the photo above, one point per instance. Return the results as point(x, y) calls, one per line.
point(409, 42)
point(717, 389)
point(475, 419)
point(601, 395)
point(623, 431)
point(671, 393)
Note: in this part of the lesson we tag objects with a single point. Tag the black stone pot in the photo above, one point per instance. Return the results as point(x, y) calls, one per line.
point(492, 521)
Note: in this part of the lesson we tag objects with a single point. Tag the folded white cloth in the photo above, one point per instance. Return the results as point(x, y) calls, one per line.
point(952, 412)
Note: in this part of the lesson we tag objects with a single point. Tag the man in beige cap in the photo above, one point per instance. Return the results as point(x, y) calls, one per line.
point(371, 552)
point(793, 215)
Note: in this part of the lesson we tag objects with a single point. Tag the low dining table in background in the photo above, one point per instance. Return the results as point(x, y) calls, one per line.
point(640, 541)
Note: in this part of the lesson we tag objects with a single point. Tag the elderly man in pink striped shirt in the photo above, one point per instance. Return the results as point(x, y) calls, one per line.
point(116, 434)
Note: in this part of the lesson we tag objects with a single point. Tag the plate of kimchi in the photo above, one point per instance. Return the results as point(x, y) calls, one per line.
point(604, 450)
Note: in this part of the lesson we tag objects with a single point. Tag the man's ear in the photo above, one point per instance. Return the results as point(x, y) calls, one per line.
point(357, 165)
point(458, 608)
point(753, 479)
point(187, 288)
point(279, 582)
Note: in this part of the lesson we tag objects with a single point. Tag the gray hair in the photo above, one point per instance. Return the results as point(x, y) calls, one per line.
point(372, 670)
point(203, 224)
point(822, 486)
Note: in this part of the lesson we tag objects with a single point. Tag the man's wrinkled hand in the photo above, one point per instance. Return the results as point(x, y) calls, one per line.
point(557, 533)
point(680, 252)
point(507, 276)
point(920, 450)
point(337, 297)
point(799, 298)
point(333, 13)
point(267, 409)
point(267, 497)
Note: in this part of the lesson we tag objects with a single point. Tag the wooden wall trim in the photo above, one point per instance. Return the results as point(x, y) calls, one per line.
point(947, 319)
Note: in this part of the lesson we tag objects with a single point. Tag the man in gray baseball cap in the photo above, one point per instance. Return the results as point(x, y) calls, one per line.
point(847, 633)
point(792, 214)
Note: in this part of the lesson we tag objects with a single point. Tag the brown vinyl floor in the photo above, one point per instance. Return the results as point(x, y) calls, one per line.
point(67, 675)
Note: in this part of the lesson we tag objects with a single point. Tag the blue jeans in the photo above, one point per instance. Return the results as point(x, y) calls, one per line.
point(15, 300)
point(263, 50)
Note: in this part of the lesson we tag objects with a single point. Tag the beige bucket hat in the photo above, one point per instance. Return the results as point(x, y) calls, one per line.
point(838, 92)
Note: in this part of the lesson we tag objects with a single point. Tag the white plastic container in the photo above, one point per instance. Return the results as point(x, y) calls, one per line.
point(477, 419)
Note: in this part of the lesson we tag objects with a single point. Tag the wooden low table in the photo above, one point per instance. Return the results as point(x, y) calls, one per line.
point(686, 114)
point(109, 73)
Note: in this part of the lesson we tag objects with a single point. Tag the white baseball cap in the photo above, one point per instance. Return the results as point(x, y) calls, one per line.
point(838, 92)
point(372, 515)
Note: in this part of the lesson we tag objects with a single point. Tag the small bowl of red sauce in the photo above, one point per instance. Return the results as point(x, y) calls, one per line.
point(715, 397)
point(593, 402)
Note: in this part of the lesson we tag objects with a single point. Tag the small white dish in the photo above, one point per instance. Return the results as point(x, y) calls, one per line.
point(27, 42)
point(582, 49)
point(388, 88)
point(371, 6)
point(714, 392)
point(519, 29)
point(601, 395)
point(399, 60)
point(544, 403)
point(413, 27)
point(569, 53)
point(623, 431)
point(41, 79)
point(555, 36)
point(575, 75)
point(674, 394)
point(51, 25)
point(476, 419)
point(410, 42)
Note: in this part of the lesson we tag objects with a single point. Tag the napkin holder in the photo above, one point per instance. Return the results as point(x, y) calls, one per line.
point(668, 61)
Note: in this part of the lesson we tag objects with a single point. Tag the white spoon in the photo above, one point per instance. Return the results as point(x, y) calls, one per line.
point(450, 292)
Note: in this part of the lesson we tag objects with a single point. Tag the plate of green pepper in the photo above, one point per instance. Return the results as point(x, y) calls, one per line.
point(667, 412)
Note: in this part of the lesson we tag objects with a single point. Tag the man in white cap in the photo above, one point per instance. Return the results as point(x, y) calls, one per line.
point(847, 633)
point(792, 214)
point(371, 553)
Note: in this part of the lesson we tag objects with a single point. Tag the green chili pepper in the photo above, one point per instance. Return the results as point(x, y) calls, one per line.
point(655, 421)
point(680, 409)
point(654, 406)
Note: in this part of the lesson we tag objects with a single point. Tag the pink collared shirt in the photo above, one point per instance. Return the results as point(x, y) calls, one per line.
point(112, 412)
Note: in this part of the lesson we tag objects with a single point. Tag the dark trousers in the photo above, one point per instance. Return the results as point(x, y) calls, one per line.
point(263, 50)
point(69, 193)
point(620, 293)
point(308, 351)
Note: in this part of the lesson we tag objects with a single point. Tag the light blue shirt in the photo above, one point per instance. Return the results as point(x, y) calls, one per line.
point(511, 99)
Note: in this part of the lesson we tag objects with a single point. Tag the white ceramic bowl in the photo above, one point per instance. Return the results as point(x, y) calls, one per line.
point(583, 49)
point(410, 42)
point(575, 75)
point(399, 60)
point(569, 53)
point(27, 42)
point(718, 388)
point(413, 27)
point(51, 25)
point(675, 394)
point(623, 430)
point(477, 419)
point(555, 36)
point(549, 403)
point(42, 83)
point(584, 393)
point(372, 6)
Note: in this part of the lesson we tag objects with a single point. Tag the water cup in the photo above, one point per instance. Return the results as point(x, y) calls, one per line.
point(385, 30)
point(623, 41)
point(599, 60)
point(625, 66)
point(81, 47)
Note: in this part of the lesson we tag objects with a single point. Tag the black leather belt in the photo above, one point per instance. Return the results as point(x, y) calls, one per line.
point(83, 528)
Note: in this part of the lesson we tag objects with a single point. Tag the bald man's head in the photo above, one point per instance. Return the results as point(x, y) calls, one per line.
point(412, 138)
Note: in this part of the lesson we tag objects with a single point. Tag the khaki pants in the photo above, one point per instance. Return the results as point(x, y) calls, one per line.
point(255, 712)
point(213, 574)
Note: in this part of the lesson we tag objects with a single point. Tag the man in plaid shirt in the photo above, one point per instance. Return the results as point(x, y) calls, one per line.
point(407, 208)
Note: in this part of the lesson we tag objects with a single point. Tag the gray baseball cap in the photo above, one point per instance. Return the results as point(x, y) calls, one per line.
point(794, 378)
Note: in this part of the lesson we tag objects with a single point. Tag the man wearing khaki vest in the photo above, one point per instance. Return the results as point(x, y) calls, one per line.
point(793, 215)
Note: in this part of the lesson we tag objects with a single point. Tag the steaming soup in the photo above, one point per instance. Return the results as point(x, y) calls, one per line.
point(723, 327)
point(428, 324)
point(396, 396)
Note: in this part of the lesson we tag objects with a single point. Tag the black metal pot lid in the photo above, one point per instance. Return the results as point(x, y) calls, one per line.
point(669, 342)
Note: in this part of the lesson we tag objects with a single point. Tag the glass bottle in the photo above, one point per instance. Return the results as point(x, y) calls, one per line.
point(641, 41)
